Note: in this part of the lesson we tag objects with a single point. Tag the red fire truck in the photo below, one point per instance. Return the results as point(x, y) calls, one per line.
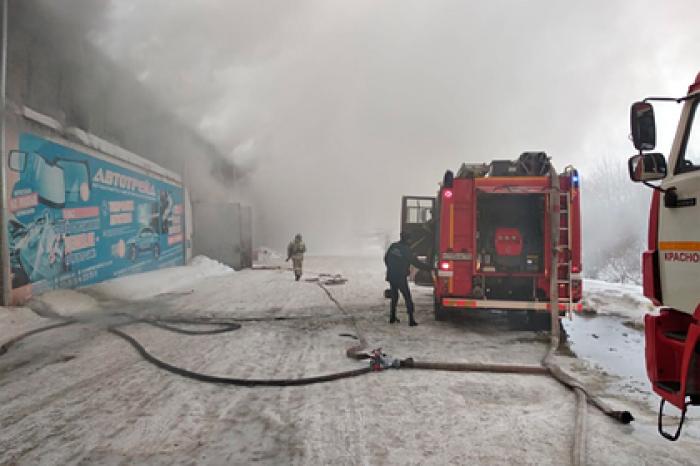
point(671, 265)
point(489, 235)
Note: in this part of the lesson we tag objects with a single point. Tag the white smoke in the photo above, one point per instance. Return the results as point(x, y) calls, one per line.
point(338, 108)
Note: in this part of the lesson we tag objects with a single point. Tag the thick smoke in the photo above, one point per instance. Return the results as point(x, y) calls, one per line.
point(335, 109)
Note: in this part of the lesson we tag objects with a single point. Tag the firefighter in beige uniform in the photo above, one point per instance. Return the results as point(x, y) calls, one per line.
point(295, 251)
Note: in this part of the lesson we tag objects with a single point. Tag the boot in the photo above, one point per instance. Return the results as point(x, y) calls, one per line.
point(411, 321)
point(297, 276)
point(393, 319)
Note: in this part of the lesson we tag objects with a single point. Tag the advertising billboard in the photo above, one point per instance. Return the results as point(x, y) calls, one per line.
point(76, 219)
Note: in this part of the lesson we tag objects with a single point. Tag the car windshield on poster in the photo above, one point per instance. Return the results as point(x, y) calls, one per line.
point(76, 219)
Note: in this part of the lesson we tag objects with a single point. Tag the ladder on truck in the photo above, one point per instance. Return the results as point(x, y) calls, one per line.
point(564, 262)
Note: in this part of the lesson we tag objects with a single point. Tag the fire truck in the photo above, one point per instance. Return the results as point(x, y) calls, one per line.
point(671, 264)
point(489, 235)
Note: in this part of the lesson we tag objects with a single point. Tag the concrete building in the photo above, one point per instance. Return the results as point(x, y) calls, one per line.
point(61, 85)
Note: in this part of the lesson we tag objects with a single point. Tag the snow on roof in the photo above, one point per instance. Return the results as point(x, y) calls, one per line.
point(97, 143)
point(42, 119)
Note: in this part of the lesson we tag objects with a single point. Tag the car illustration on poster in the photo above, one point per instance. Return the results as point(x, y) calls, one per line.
point(37, 251)
point(146, 240)
point(77, 219)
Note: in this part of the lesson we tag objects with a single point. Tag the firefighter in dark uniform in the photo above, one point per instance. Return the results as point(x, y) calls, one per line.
point(398, 259)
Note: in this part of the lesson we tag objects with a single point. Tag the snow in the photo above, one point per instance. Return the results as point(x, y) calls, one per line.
point(69, 303)
point(16, 320)
point(618, 299)
point(79, 395)
point(149, 284)
point(64, 303)
point(42, 119)
point(264, 256)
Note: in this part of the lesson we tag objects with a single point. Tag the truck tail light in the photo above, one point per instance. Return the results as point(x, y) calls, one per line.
point(447, 193)
point(444, 265)
point(563, 290)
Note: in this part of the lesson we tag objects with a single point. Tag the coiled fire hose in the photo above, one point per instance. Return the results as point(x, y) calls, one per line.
point(547, 367)
point(358, 351)
point(163, 323)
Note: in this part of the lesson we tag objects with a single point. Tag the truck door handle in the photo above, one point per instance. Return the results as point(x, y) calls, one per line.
point(672, 201)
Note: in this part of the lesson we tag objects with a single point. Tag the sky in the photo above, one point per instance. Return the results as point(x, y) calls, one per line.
point(335, 109)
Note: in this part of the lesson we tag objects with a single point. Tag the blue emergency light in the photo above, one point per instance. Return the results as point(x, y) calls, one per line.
point(574, 179)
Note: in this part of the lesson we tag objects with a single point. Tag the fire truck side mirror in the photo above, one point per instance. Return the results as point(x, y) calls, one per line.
point(647, 167)
point(643, 126)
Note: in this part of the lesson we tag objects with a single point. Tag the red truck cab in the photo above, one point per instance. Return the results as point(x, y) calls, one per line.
point(671, 264)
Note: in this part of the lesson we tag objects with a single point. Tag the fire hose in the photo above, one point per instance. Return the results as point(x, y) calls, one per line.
point(377, 360)
point(165, 324)
point(358, 351)
point(5, 347)
point(547, 367)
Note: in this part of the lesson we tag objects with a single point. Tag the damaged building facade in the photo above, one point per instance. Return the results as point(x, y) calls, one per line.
point(101, 179)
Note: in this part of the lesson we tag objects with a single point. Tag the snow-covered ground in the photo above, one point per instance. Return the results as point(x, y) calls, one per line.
point(129, 288)
point(79, 395)
point(146, 285)
point(617, 299)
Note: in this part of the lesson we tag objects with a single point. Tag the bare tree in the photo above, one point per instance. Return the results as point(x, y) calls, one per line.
point(614, 222)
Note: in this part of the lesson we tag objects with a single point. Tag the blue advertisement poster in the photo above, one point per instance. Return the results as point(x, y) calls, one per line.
point(76, 219)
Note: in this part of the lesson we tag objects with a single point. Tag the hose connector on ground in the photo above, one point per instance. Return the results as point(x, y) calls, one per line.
point(379, 361)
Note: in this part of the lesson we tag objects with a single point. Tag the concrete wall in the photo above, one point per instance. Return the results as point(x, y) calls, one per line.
point(228, 235)
point(54, 69)
point(84, 222)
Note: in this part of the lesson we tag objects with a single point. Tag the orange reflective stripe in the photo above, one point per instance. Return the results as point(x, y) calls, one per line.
point(679, 245)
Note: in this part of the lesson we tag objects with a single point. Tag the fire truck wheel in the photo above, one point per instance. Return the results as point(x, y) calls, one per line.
point(440, 313)
point(538, 321)
point(529, 321)
point(517, 320)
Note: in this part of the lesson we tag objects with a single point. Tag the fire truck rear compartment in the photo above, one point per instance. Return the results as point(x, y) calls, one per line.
point(510, 245)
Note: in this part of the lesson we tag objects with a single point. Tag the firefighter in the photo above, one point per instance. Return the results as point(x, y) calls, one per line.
point(398, 259)
point(295, 251)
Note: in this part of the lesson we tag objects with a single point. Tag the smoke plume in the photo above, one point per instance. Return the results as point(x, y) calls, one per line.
point(335, 109)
